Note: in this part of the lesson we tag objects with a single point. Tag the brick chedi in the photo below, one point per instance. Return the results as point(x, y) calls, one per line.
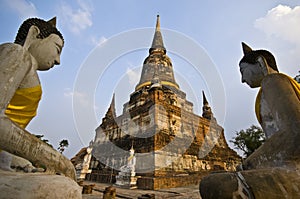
point(173, 146)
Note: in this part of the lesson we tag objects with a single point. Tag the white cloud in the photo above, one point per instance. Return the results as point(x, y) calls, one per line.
point(133, 76)
point(282, 30)
point(77, 19)
point(282, 22)
point(81, 97)
point(96, 41)
point(23, 8)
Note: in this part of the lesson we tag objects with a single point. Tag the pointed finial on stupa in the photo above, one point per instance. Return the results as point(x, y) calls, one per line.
point(204, 98)
point(113, 99)
point(157, 23)
point(206, 109)
point(157, 43)
point(111, 112)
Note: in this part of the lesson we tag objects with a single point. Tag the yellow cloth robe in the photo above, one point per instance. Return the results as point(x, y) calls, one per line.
point(23, 106)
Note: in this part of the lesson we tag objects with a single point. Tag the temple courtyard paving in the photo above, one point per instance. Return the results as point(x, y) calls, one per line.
point(189, 192)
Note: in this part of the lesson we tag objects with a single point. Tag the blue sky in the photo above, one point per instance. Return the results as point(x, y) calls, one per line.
point(217, 27)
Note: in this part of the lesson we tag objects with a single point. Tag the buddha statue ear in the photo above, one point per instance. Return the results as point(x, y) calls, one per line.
point(32, 34)
point(52, 22)
point(262, 64)
point(246, 48)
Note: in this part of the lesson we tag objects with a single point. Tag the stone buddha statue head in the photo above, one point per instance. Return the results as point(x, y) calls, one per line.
point(43, 40)
point(255, 64)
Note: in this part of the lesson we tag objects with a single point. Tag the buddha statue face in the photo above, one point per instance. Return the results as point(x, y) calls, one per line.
point(256, 64)
point(252, 74)
point(46, 51)
point(43, 41)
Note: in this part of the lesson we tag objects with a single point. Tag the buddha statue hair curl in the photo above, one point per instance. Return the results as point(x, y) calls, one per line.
point(46, 28)
point(250, 56)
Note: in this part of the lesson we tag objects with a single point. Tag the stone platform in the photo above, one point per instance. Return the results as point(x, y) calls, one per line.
point(188, 192)
point(164, 182)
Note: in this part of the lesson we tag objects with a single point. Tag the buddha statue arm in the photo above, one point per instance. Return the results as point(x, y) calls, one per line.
point(18, 141)
point(11, 72)
point(15, 139)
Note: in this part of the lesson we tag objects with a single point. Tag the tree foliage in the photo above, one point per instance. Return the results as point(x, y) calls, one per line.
point(249, 140)
point(44, 140)
point(62, 145)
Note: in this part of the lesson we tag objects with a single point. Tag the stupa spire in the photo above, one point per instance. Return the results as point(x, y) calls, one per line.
point(157, 43)
point(111, 112)
point(157, 23)
point(157, 67)
point(206, 109)
point(205, 102)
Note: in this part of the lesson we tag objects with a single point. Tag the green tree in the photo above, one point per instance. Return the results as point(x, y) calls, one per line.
point(249, 140)
point(62, 145)
point(44, 140)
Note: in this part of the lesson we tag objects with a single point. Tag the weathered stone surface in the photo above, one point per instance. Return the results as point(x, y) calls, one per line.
point(170, 140)
point(166, 180)
point(5, 160)
point(14, 185)
point(218, 185)
point(147, 196)
point(189, 192)
point(87, 189)
point(109, 193)
point(33, 149)
point(20, 162)
point(271, 183)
